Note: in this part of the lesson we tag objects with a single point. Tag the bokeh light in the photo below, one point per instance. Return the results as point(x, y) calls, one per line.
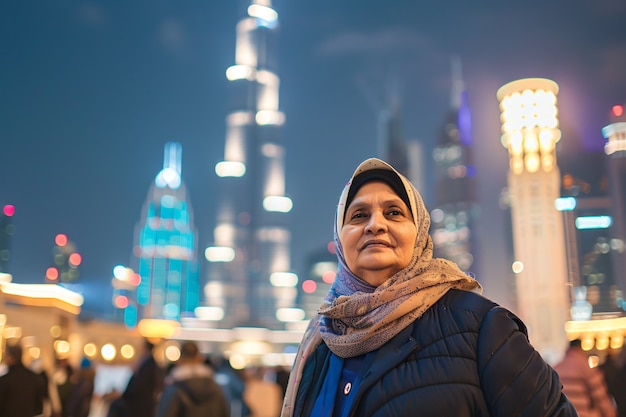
point(108, 352)
point(60, 240)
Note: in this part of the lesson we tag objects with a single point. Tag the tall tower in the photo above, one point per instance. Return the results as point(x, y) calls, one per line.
point(166, 248)
point(530, 130)
point(615, 149)
point(250, 282)
point(392, 146)
point(7, 230)
point(455, 213)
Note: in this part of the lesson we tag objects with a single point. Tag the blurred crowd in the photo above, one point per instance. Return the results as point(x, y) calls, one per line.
point(194, 385)
point(207, 386)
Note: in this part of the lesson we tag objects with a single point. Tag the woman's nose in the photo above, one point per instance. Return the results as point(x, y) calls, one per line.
point(376, 224)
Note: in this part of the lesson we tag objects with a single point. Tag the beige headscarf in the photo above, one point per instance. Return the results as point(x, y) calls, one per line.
point(355, 317)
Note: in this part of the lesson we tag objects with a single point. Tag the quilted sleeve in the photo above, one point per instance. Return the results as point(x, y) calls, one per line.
point(515, 379)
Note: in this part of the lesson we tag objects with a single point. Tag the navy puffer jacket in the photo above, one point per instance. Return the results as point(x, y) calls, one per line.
point(466, 356)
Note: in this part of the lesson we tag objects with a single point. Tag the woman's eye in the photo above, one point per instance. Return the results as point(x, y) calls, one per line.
point(358, 215)
point(395, 213)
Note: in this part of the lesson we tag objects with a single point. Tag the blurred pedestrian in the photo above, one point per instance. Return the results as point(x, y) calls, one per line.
point(139, 399)
point(614, 368)
point(37, 367)
point(79, 403)
point(232, 383)
point(584, 386)
point(401, 333)
point(22, 392)
point(64, 383)
point(191, 389)
point(264, 397)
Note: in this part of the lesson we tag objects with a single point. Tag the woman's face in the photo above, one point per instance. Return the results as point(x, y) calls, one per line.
point(378, 233)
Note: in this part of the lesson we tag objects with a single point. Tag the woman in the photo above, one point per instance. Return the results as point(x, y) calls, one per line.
point(401, 333)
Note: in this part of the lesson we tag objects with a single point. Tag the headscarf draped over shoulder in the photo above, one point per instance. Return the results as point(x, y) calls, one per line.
point(355, 317)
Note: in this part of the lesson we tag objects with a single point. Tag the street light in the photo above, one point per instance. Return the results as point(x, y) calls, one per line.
point(125, 282)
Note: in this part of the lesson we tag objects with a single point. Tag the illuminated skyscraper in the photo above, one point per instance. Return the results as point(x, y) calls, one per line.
point(530, 130)
point(250, 282)
point(166, 248)
point(7, 230)
point(615, 149)
point(455, 212)
point(392, 146)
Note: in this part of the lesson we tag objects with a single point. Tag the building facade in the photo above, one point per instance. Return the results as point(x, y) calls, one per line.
point(165, 250)
point(250, 282)
point(530, 130)
point(454, 215)
point(615, 150)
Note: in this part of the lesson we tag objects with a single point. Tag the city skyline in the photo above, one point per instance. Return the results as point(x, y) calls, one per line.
point(92, 93)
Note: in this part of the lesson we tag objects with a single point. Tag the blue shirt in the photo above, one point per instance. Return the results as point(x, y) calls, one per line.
point(339, 387)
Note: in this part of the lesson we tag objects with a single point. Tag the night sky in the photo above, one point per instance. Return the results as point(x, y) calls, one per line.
point(91, 92)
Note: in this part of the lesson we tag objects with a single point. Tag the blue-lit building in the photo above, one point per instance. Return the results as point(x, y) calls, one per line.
point(455, 211)
point(165, 248)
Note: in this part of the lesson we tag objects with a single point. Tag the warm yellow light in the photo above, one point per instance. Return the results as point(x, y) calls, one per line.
point(517, 165)
point(617, 341)
point(90, 350)
point(531, 161)
point(172, 353)
point(157, 328)
point(546, 140)
point(43, 291)
point(528, 108)
point(531, 144)
point(602, 342)
point(517, 267)
point(547, 162)
point(237, 361)
point(62, 347)
point(12, 332)
point(596, 326)
point(593, 361)
point(127, 351)
point(515, 143)
point(34, 352)
point(587, 343)
point(250, 347)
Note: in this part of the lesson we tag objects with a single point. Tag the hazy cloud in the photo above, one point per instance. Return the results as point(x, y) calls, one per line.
point(172, 35)
point(91, 14)
point(387, 40)
point(612, 64)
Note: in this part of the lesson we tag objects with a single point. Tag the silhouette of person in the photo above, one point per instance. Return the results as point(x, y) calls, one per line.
point(584, 386)
point(192, 391)
point(22, 391)
point(614, 369)
point(140, 396)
